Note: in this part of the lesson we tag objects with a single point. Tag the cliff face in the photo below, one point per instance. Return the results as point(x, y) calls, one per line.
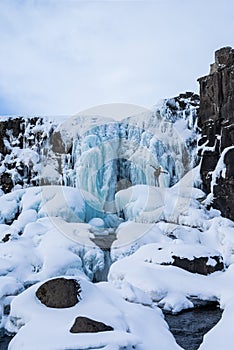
point(216, 120)
point(21, 143)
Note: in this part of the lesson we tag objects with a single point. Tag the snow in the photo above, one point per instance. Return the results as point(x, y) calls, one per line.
point(46, 236)
point(9, 207)
point(130, 236)
point(54, 242)
point(97, 223)
point(165, 285)
point(51, 232)
point(142, 203)
point(221, 336)
point(71, 204)
point(67, 203)
point(220, 169)
point(163, 252)
point(157, 283)
point(49, 328)
point(23, 142)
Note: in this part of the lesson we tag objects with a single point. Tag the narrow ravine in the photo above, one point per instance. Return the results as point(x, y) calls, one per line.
point(190, 326)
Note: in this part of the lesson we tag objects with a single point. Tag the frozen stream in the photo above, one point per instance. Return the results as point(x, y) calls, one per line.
point(190, 326)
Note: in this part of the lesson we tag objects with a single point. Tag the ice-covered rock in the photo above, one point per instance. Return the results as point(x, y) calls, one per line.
point(21, 146)
point(102, 156)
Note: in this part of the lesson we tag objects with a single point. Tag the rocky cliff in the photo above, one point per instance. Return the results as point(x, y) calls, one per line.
point(22, 141)
point(216, 120)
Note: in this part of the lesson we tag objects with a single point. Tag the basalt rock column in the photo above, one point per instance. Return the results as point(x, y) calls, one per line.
point(216, 120)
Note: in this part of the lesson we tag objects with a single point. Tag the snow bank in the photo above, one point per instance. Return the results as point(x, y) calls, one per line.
point(147, 204)
point(53, 201)
point(140, 277)
point(42, 236)
point(131, 235)
point(40, 327)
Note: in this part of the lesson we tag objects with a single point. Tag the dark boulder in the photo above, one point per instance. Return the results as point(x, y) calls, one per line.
point(59, 293)
point(87, 325)
point(6, 182)
point(199, 265)
point(6, 238)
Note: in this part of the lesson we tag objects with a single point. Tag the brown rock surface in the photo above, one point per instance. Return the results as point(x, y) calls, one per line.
point(87, 325)
point(59, 293)
point(198, 265)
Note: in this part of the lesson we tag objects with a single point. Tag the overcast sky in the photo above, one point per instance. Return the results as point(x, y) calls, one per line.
point(58, 57)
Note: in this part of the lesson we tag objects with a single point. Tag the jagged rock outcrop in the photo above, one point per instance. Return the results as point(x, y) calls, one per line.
point(22, 141)
point(216, 120)
point(202, 265)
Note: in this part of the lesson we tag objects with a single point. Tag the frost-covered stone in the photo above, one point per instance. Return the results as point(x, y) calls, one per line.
point(22, 140)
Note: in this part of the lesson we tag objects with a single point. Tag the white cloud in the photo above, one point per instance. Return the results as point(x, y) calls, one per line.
point(60, 57)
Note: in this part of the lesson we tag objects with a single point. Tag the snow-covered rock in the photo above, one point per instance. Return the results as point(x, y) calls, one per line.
point(142, 203)
point(39, 327)
point(21, 145)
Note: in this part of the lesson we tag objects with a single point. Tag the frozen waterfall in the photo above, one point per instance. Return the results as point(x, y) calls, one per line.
point(102, 156)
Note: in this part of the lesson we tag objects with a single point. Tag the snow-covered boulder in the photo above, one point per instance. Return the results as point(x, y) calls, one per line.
point(148, 204)
point(39, 327)
point(131, 235)
point(203, 265)
point(148, 275)
point(191, 257)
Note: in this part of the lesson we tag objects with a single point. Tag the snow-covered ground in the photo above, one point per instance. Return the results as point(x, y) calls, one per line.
point(43, 328)
point(53, 231)
point(48, 237)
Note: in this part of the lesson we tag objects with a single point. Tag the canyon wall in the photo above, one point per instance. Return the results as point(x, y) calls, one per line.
point(216, 120)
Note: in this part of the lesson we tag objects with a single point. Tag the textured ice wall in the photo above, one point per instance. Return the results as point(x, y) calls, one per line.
point(102, 156)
